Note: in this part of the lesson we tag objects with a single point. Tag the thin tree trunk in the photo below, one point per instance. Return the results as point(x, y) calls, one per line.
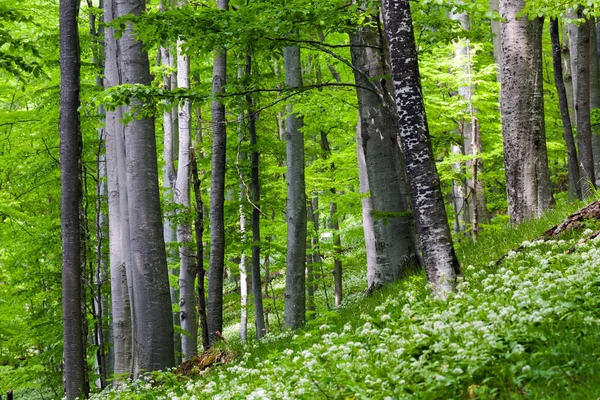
point(217, 195)
point(595, 97)
point(495, 7)
point(525, 156)
point(187, 267)
point(582, 108)
point(367, 217)
point(391, 216)
point(199, 230)
point(295, 283)
point(440, 261)
point(256, 282)
point(74, 372)
point(574, 184)
point(153, 327)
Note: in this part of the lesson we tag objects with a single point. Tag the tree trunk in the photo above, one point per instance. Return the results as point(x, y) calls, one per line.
point(439, 258)
point(217, 195)
point(169, 177)
point(595, 97)
point(367, 207)
point(153, 327)
point(118, 220)
point(295, 283)
point(574, 184)
point(74, 372)
point(495, 7)
point(187, 266)
point(391, 216)
point(256, 282)
point(525, 156)
point(582, 108)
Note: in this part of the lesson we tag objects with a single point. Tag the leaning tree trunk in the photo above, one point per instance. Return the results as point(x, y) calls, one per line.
point(74, 371)
point(217, 195)
point(392, 222)
point(582, 107)
point(439, 258)
point(574, 184)
point(295, 283)
point(187, 265)
point(525, 156)
point(151, 301)
point(255, 158)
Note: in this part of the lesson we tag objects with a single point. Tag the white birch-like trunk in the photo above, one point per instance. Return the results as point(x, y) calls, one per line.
point(187, 265)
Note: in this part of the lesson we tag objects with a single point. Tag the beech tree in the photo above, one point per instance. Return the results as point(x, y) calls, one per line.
point(439, 259)
point(523, 128)
point(74, 372)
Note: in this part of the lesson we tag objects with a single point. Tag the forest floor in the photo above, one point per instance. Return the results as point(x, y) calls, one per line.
point(527, 326)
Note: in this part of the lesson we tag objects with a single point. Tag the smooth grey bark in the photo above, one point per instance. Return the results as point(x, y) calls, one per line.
point(151, 302)
point(187, 266)
point(74, 371)
point(567, 71)
point(525, 155)
point(367, 217)
point(259, 315)
point(495, 7)
point(118, 221)
point(243, 265)
point(295, 283)
point(582, 107)
point(217, 195)
point(573, 165)
point(439, 258)
point(390, 213)
point(168, 182)
point(595, 97)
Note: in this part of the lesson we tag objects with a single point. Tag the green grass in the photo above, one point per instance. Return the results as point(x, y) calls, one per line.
point(528, 328)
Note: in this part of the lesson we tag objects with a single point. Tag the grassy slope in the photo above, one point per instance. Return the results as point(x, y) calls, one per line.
point(529, 328)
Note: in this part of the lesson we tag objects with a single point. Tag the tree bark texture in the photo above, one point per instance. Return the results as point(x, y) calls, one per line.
point(367, 217)
point(525, 155)
point(74, 372)
point(495, 7)
point(217, 195)
point(563, 104)
point(255, 185)
point(117, 219)
point(169, 177)
point(390, 213)
point(187, 265)
point(582, 108)
point(595, 97)
point(153, 327)
point(439, 258)
point(295, 282)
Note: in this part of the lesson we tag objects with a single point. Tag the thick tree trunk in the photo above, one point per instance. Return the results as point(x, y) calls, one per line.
point(295, 283)
point(440, 261)
point(74, 372)
point(582, 108)
point(217, 195)
point(525, 156)
point(395, 253)
point(187, 266)
point(117, 219)
point(367, 207)
point(153, 327)
point(574, 184)
point(256, 281)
